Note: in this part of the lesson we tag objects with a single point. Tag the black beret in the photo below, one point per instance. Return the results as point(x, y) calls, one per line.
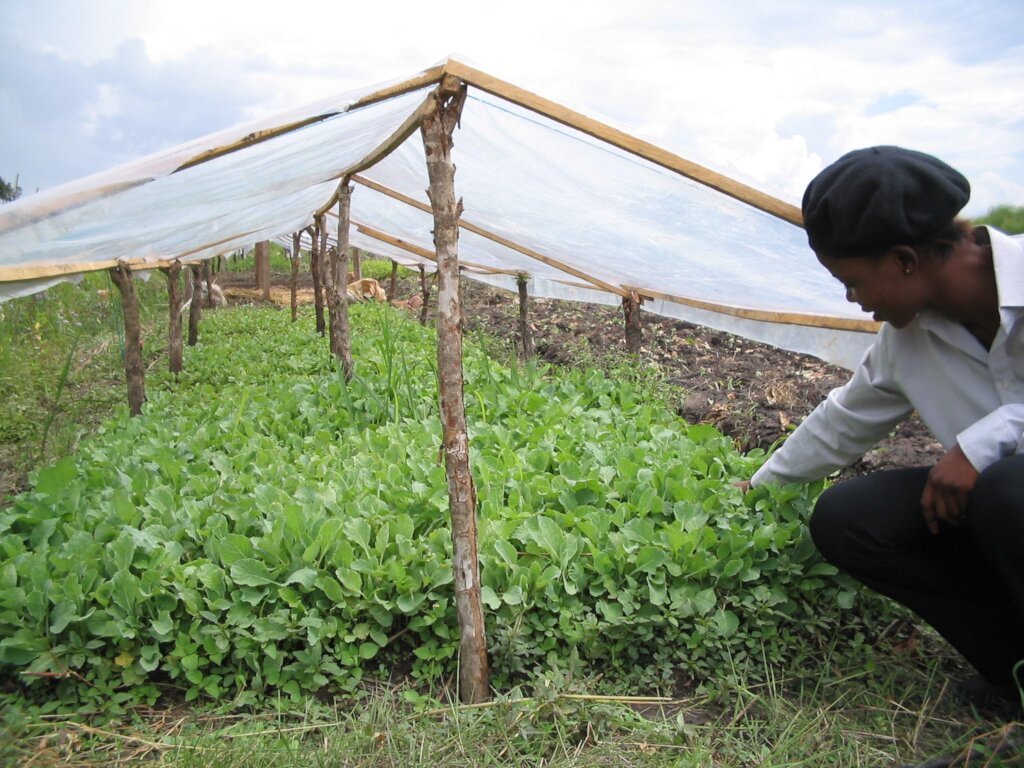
point(871, 199)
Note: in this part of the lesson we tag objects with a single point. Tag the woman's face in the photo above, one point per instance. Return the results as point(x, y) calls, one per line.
point(882, 285)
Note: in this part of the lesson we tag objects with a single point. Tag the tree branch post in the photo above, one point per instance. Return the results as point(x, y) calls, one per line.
point(425, 292)
point(174, 340)
point(357, 263)
point(437, 130)
point(525, 333)
point(316, 270)
point(393, 285)
point(296, 242)
point(634, 331)
point(263, 268)
point(209, 288)
point(195, 308)
point(341, 340)
point(133, 369)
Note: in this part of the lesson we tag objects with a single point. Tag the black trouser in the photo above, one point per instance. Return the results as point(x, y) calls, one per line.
point(967, 581)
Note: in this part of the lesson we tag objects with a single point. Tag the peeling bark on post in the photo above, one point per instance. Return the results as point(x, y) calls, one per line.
point(524, 318)
point(634, 333)
point(174, 340)
point(195, 310)
point(425, 292)
point(133, 370)
point(437, 129)
point(295, 276)
point(341, 340)
point(393, 285)
point(316, 270)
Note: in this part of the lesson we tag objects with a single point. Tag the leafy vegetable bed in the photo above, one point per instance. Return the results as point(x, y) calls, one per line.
point(265, 527)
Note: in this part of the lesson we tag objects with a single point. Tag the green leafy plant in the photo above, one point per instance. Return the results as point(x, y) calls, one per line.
point(265, 526)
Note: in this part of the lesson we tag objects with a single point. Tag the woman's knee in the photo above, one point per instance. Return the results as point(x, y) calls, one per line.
point(869, 516)
point(830, 521)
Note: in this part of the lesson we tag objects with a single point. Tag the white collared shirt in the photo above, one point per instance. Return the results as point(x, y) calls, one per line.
point(963, 393)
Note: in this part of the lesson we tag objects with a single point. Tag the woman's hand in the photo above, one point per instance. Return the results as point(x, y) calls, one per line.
point(948, 490)
point(743, 485)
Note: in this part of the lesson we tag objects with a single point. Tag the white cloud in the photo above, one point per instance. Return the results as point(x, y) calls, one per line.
point(765, 92)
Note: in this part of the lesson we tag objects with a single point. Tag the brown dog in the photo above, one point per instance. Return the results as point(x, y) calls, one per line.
point(367, 288)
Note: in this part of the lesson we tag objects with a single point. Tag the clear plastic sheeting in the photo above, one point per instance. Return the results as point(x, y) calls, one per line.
point(217, 206)
point(581, 218)
point(618, 217)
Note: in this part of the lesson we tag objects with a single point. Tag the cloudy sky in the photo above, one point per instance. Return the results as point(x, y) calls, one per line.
point(767, 92)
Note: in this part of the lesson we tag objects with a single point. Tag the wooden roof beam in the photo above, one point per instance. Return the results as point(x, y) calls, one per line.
point(767, 316)
point(427, 254)
point(496, 238)
point(410, 125)
point(625, 142)
point(422, 80)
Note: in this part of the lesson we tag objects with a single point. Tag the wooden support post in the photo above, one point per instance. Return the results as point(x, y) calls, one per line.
point(296, 239)
point(209, 288)
point(263, 268)
point(195, 310)
point(133, 370)
point(425, 291)
point(342, 339)
point(326, 263)
point(357, 263)
point(525, 334)
point(316, 270)
point(634, 332)
point(393, 285)
point(174, 340)
point(437, 129)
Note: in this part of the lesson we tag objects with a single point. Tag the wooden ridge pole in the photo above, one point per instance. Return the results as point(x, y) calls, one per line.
point(133, 369)
point(423, 253)
point(174, 341)
point(625, 142)
point(496, 238)
point(422, 80)
point(437, 130)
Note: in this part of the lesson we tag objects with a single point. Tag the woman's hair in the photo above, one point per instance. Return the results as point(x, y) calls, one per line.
point(940, 244)
point(943, 242)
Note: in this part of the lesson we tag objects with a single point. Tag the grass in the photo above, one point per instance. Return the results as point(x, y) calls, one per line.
point(61, 370)
point(59, 361)
point(889, 717)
